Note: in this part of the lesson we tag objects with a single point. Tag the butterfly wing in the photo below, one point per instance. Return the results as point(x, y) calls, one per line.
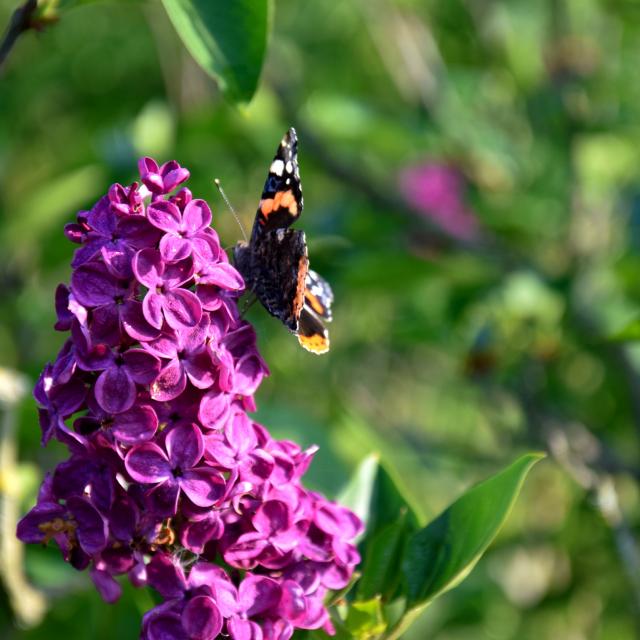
point(276, 270)
point(318, 295)
point(312, 334)
point(281, 202)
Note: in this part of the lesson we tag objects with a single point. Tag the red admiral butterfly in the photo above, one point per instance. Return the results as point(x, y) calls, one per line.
point(274, 263)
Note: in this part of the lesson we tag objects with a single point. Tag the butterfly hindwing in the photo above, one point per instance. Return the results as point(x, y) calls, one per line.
point(318, 295)
point(312, 334)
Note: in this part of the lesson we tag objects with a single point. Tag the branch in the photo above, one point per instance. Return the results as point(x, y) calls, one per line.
point(19, 23)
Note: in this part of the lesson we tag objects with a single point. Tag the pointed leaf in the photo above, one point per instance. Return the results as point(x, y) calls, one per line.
point(227, 39)
point(443, 553)
point(383, 561)
point(374, 495)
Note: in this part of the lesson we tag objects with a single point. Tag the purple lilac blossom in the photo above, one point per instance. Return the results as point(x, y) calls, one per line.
point(169, 481)
point(438, 192)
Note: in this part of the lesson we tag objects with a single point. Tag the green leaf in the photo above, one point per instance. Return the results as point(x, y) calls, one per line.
point(365, 619)
point(383, 560)
point(629, 333)
point(227, 39)
point(376, 498)
point(442, 554)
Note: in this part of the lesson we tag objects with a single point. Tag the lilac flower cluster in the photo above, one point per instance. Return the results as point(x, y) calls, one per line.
point(169, 481)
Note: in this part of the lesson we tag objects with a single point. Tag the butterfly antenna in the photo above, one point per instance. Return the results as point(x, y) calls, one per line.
point(233, 213)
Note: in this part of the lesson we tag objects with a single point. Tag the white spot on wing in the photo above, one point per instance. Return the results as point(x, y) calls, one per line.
point(277, 167)
point(289, 167)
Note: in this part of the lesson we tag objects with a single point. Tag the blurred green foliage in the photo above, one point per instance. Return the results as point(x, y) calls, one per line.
point(449, 358)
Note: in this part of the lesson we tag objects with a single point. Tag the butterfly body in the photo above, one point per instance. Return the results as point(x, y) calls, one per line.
point(274, 263)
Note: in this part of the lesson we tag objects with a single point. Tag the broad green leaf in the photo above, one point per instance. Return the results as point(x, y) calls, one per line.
point(374, 495)
point(365, 619)
point(227, 39)
point(381, 568)
point(443, 553)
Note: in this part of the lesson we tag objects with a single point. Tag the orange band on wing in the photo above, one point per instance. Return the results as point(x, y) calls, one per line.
point(314, 303)
point(282, 199)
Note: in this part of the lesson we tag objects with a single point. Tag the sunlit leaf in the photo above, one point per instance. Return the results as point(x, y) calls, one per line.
point(227, 39)
point(365, 619)
point(443, 553)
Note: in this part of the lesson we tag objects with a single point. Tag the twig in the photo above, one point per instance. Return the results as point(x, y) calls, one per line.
point(19, 23)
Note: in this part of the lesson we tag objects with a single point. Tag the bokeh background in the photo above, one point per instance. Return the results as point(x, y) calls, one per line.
point(472, 191)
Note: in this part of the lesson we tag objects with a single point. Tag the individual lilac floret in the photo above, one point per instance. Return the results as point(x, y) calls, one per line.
point(168, 481)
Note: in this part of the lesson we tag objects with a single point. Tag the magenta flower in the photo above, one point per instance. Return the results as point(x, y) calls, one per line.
point(175, 471)
point(438, 191)
point(185, 231)
point(188, 359)
point(168, 479)
point(166, 296)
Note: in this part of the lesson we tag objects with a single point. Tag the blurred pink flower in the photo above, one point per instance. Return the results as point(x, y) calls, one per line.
point(438, 190)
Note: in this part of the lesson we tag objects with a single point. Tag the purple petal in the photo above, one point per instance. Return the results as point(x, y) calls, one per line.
point(243, 553)
point(174, 249)
point(181, 309)
point(293, 605)
point(249, 372)
point(136, 425)
point(150, 175)
point(148, 267)
point(182, 198)
point(107, 587)
point(206, 248)
point(134, 322)
point(195, 535)
point(240, 433)
point(115, 391)
point(123, 518)
point(105, 324)
point(196, 216)
point(177, 273)
point(152, 309)
point(148, 463)
point(63, 314)
point(185, 446)
point(222, 275)
point(258, 594)
point(170, 383)
point(215, 409)
point(143, 367)
point(93, 285)
point(240, 629)
point(166, 577)
point(173, 175)
point(163, 498)
point(166, 345)
point(117, 258)
point(200, 370)
point(164, 215)
point(92, 530)
point(201, 618)
point(32, 528)
point(271, 517)
point(203, 486)
point(165, 626)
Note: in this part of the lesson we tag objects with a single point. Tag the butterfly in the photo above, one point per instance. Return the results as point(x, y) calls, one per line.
point(274, 263)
